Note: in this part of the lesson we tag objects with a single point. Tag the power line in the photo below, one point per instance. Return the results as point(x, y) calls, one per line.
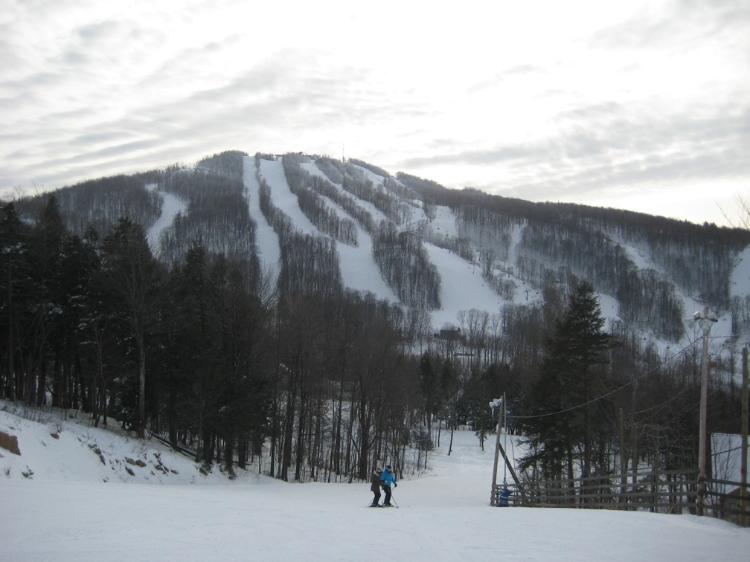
point(602, 396)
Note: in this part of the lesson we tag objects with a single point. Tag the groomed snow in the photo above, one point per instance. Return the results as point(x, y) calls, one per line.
point(462, 287)
point(444, 223)
point(443, 516)
point(376, 179)
point(266, 240)
point(359, 271)
point(281, 195)
point(170, 205)
point(377, 215)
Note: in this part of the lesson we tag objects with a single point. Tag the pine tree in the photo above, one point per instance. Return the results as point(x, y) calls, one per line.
point(132, 276)
point(572, 374)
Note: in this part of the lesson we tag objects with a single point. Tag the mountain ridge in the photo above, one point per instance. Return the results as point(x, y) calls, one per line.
point(440, 253)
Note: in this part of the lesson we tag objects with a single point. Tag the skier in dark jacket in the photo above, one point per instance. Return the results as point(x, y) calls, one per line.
point(388, 479)
point(375, 487)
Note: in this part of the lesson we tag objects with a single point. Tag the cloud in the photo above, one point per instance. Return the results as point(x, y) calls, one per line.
point(680, 22)
point(289, 90)
point(658, 96)
point(605, 146)
point(510, 73)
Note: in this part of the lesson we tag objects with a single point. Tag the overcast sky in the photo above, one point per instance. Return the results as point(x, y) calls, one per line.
point(636, 105)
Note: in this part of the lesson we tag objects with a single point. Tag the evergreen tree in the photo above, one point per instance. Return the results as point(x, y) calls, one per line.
point(14, 280)
point(131, 275)
point(568, 424)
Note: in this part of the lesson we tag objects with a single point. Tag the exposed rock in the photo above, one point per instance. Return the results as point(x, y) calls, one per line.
point(10, 443)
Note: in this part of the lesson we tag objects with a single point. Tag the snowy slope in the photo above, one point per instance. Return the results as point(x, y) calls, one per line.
point(721, 332)
point(442, 517)
point(377, 215)
point(281, 195)
point(376, 179)
point(444, 223)
point(359, 271)
point(462, 287)
point(266, 239)
point(55, 450)
point(171, 205)
point(415, 206)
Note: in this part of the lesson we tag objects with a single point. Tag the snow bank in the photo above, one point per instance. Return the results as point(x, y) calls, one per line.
point(53, 449)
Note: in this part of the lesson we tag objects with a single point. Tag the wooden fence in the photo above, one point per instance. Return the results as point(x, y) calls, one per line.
point(672, 491)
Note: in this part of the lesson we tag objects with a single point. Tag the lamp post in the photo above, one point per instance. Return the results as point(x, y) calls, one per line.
point(705, 320)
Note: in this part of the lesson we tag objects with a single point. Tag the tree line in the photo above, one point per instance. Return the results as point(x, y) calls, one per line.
point(217, 215)
point(312, 382)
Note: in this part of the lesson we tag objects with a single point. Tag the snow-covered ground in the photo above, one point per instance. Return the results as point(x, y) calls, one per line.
point(171, 205)
point(282, 196)
point(721, 331)
point(377, 215)
point(359, 271)
point(444, 223)
point(462, 287)
point(266, 240)
point(64, 512)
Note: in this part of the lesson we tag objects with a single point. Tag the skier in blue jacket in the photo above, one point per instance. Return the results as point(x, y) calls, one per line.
point(388, 479)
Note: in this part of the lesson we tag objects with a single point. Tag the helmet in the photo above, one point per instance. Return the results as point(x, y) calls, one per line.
point(388, 467)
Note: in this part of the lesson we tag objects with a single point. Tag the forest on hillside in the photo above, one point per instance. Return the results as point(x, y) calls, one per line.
point(195, 344)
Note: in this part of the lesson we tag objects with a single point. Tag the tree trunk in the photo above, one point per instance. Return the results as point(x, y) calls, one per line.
point(141, 384)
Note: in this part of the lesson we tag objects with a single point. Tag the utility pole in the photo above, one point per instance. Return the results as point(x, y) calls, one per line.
point(705, 320)
point(743, 462)
point(499, 404)
point(496, 405)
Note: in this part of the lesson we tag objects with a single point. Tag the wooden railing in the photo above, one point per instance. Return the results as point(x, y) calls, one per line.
point(672, 491)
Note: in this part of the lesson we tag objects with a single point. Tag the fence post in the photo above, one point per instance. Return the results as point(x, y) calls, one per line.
point(623, 460)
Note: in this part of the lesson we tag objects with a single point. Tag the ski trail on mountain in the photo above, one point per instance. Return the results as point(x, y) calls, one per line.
point(377, 215)
point(282, 196)
point(358, 268)
point(171, 205)
point(415, 206)
point(267, 245)
point(462, 287)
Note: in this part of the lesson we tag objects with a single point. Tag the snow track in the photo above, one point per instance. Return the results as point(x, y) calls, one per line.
point(312, 169)
point(358, 268)
point(266, 239)
point(171, 205)
point(282, 196)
